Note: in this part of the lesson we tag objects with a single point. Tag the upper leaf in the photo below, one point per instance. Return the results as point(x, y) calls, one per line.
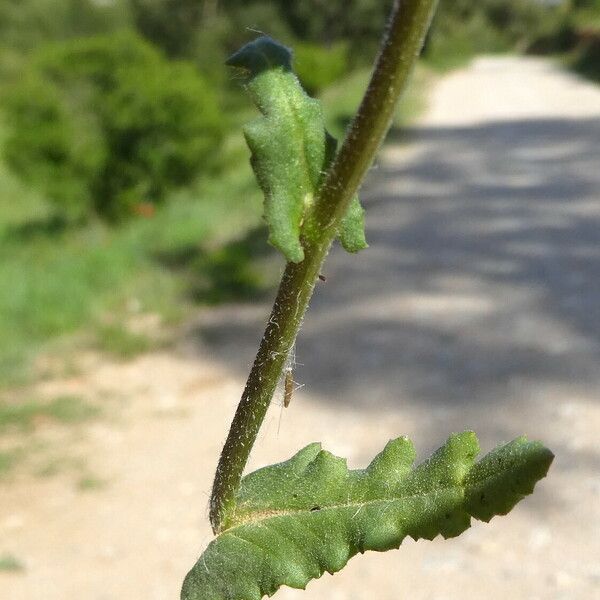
point(291, 150)
point(295, 520)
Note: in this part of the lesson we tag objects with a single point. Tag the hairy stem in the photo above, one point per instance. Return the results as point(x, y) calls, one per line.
point(400, 48)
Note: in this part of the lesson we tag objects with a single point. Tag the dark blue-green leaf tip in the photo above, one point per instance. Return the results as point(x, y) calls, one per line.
point(260, 55)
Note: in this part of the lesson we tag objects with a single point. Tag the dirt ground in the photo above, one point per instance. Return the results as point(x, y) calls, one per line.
point(476, 307)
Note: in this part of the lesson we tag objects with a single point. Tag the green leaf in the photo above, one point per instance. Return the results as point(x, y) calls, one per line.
point(291, 150)
point(298, 519)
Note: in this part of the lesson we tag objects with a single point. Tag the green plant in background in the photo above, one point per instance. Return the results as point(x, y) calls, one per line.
point(171, 24)
point(64, 409)
point(25, 24)
point(318, 67)
point(583, 23)
point(106, 123)
point(10, 563)
point(464, 28)
point(357, 21)
point(287, 524)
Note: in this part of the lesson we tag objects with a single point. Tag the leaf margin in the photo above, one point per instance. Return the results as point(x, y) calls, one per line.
point(454, 463)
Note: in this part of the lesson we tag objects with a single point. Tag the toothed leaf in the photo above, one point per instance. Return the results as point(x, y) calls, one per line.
point(298, 519)
point(290, 147)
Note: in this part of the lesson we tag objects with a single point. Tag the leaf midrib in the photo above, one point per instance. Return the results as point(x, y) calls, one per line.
point(273, 514)
point(299, 128)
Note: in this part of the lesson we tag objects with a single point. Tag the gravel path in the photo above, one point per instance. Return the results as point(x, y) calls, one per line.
point(477, 306)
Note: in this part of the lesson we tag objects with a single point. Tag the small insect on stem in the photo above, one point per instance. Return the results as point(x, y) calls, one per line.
point(322, 278)
point(288, 388)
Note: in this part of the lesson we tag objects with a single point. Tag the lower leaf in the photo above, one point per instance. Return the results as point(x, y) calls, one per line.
point(295, 520)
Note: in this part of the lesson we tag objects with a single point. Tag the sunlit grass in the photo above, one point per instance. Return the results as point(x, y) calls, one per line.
point(89, 483)
point(23, 417)
point(58, 278)
point(10, 563)
point(122, 343)
point(8, 459)
point(64, 409)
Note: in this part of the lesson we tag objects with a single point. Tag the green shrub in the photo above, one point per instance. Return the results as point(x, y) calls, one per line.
point(582, 21)
point(455, 41)
point(243, 19)
point(464, 28)
point(573, 29)
point(586, 60)
point(170, 24)
point(106, 123)
point(358, 21)
point(24, 24)
point(318, 67)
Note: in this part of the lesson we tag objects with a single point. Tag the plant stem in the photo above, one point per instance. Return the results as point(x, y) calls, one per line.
point(400, 48)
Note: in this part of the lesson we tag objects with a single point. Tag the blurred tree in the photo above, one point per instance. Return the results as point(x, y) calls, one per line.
point(221, 35)
point(210, 9)
point(318, 67)
point(246, 19)
point(358, 21)
point(463, 28)
point(583, 24)
point(106, 123)
point(171, 24)
point(25, 23)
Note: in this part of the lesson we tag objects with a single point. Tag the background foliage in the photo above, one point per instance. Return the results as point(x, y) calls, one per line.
point(122, 109)
point(106, 122)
